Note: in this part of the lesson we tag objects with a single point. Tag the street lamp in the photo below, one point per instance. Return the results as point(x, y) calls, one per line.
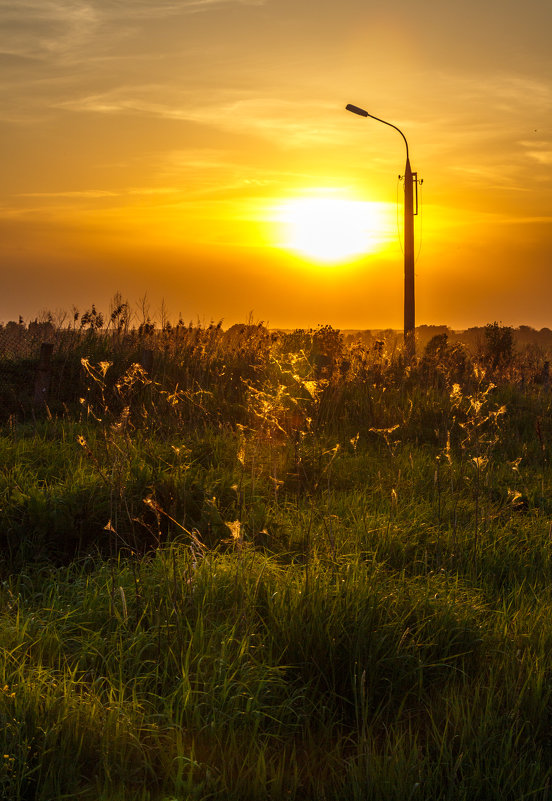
point(410, 180)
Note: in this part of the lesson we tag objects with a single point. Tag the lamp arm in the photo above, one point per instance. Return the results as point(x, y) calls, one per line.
point(395, 127)
point(363, 113)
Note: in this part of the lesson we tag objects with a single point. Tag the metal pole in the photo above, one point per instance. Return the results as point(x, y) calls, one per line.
point(409, 179)
point(409, 301)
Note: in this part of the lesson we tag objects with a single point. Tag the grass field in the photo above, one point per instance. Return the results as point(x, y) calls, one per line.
point(276, 567)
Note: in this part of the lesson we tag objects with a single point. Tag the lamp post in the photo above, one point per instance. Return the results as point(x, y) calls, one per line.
point(410, 180)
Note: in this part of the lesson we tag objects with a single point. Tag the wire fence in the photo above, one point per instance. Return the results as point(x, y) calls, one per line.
point(41, 365)
point(44, 367)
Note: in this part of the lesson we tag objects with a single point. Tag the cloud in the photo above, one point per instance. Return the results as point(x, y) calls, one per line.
point(289, 122)
point(292, 123)
point(539, 151)
point(33, 29)
point(84, 193)
point(68, 29)
point(150, 9)
point(204, 5)
point(510, 92)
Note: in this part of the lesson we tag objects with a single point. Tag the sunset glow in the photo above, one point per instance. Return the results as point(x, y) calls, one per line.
point(170, 149)
point(331, 230)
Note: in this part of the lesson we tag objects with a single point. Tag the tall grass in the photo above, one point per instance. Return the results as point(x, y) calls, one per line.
point(276, 567)
point(227, 677)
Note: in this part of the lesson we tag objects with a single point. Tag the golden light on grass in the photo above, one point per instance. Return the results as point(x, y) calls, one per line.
point(331, 229)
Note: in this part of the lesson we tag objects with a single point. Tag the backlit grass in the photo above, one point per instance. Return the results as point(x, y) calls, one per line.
point(313, 578)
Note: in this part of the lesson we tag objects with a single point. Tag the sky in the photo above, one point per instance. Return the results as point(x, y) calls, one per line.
point(196, 155)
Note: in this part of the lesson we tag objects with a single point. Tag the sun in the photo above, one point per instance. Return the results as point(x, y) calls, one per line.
point(332, 230)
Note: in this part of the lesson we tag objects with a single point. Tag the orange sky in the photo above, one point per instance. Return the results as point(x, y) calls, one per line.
point(184, 149)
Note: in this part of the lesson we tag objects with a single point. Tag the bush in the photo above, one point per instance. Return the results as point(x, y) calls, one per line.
point(499, 344)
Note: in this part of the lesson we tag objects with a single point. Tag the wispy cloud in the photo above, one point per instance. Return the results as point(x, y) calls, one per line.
point(68, 29)
point(51, 49)
point(36, 29)
point(203, 5)
point(84, 193)
point(145, 8)
point(539, 151)
point(290, 122)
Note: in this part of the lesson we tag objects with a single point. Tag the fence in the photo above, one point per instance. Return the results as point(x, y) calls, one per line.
point(41, 366)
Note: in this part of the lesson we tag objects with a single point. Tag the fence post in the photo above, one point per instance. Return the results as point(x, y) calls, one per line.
point(43, 374)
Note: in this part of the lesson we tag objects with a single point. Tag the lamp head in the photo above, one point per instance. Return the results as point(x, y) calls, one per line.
point(356, 110)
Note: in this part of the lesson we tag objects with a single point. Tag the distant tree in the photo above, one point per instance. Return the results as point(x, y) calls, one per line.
point(436, 345)
point(327, 349)
point(525, 335)
point(425, 333)
point(499, 344)
point(443, 360)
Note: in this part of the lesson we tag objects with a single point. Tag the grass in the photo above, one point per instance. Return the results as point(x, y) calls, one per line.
point(230, 677)
point(281, 569)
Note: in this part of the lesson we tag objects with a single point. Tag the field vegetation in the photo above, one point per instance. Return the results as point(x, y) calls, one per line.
point(254, 565)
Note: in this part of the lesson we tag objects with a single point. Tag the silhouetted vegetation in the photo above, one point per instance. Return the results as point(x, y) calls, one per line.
point(499, 344)
point(250, 564)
